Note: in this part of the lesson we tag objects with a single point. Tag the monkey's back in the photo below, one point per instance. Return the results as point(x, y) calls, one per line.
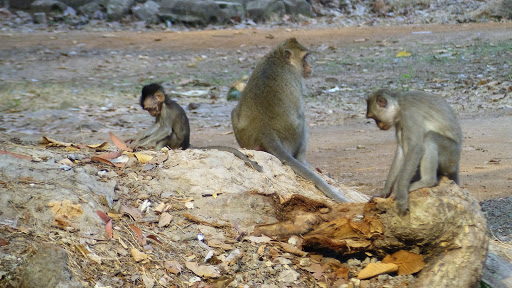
point(271, 102)
point(433, 111)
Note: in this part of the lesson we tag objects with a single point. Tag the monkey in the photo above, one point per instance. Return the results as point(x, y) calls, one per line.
point(428, 141)
point(270, 115)
point(171, 127)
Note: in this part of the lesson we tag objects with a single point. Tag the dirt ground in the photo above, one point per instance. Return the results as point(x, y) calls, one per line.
point(109, 68)
point(78, 86)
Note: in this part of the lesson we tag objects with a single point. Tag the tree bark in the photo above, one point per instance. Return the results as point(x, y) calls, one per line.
point(445, 225)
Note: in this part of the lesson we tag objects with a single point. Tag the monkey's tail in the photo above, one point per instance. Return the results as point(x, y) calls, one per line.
point(253, 164)
point(304, 172)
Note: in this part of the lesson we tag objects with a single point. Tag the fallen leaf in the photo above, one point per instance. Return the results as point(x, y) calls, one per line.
point(408, 262)
point(132, 211)
point(65, 208)
point(259, 239)
point(137, 255)
point(207, 271)
point(137, 232)
point(99, 147)
point(160, 207)
point(403, 54)
point(119, 144)
point(16, 155)
point(108, 229)
point(143, 158)
point(165, 219)
point(103, 216)
point(374, 269)
point(3, 242)
point(54, 143)
point(154, 238)
point(173, 266)
point(216, 243)
point(292, 249)
point(106, 158)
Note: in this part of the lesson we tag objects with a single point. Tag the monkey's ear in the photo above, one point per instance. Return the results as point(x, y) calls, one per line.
point(288, 55)
point(159, 96)
point(382, 101)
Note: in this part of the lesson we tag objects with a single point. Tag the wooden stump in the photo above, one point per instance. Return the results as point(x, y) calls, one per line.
point(445, 225)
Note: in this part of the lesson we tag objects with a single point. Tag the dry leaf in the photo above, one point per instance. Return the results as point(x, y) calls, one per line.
point(173, 266)
point(155, 239)
point(132, 211)
point(54, 143)
point(137, 232)
point(66, 209)
point(259, 239)
point(108, 158)
point(292, 249)
point(216, 243)
point(408, 262)
point(207, 271)
point(143, 158)
point(137, 255)
point(160, 208)
point(165, 219)
point(403, 54)
point(374, 269)
point(99, 147)
point(103, 216)
point(119, 144)
point(16, 155)
point(148, 281)
point(108, 228)
point(3, 242)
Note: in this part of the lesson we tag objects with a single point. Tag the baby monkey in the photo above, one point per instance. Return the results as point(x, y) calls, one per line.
point(429, 140)
point(171, 127)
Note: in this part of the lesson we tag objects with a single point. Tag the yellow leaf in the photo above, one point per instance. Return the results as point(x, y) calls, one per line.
point(403, 54)
point(374, 269)
point(143, 158)
point(137, 255)
point(99, 147)
point(408, 262)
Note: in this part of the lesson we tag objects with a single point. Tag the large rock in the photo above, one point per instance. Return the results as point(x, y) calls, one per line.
point(263, 10)
point(20, 4)
point(296, 7)
point(233, 10)
point(48, 267)
point(147, 12)
point(116, 9)
point(93, 10)
point(192, 12)
point(48, 6)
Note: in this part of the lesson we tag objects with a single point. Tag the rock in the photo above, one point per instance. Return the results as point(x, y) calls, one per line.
point(48, 6)
point(296, 7)
point(40, 18)
point(116, 9)
point(48, 268)
point(263, 10)
point(147, 12)
point(232, 10)
point(192, 12)
point(20, 4)
point(93, 10)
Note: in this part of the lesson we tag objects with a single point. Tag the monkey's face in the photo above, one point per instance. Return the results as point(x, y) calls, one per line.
point(381, 110)
point(153, 106)
point(306, 67)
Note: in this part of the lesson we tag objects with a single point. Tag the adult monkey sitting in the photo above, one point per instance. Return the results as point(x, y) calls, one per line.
point(270, 114)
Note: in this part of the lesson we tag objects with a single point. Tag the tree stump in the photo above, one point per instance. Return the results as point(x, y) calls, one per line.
point(445, 225)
